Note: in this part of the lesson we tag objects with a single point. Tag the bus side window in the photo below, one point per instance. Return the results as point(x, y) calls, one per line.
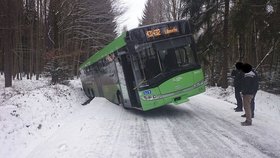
point(119, 60)
point(99, 65)
point(87, 70)
point(104, 62)
point(96, 68)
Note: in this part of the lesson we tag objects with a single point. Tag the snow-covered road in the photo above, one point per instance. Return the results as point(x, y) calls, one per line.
point(203, 127)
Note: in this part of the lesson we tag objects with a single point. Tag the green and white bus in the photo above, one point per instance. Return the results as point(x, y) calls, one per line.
point(146, 67)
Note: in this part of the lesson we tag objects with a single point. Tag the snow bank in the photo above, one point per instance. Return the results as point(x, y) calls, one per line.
point(31, 110)
point(264, 102)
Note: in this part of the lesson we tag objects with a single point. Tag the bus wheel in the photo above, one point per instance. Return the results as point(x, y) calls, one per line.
point(87, 92)
point(92, 95)
point(120, 98)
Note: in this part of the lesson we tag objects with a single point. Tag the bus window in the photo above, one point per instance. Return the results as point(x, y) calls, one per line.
point(177, 58)
point(147, 64)
point(171, 60)
point(184, 56)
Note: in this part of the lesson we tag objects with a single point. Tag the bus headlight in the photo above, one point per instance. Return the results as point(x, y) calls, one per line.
point(150, 97)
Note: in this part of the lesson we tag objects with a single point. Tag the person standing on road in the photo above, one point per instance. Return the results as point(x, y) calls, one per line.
point(256, 88)
point(248, 91)
point(238, 76)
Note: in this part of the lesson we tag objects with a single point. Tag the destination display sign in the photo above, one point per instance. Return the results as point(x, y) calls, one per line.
point(164, 31)
point(156, 32)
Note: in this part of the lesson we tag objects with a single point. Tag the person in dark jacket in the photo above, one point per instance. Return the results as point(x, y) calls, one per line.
point(238, 76)
point(248, 90)
point(256, 88)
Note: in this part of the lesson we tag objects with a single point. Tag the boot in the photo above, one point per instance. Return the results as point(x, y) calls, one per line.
point(245, 115)
point(238, 110)
point(246, 123)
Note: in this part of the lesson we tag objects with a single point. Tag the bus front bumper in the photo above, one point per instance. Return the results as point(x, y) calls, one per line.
point(151, 102)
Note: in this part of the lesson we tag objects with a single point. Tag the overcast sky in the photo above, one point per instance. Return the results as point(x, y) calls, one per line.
point(133, 14)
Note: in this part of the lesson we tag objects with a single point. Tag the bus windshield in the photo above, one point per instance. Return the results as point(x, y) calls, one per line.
point(150, 63)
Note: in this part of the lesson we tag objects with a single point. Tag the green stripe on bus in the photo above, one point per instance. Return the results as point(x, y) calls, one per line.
point(110, 48)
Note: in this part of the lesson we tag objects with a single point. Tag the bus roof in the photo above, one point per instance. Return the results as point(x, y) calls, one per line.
point(116, 44)
point(138, 36)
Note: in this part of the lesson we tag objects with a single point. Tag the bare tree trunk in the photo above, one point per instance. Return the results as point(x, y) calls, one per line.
point(38, 41)
point(7, 44)
point(31, 52)
point(20, 53)
point(223, 78)
point(253, 53)
point(174, 9)
point(241, 46)
point(8, 66)
point(212, 70)
point(1, 54)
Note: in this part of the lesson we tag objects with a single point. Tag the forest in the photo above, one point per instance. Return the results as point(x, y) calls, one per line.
point(53, 37)
point(227, 31)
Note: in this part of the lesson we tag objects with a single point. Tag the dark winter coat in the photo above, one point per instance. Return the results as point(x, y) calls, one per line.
point(249, 83)
point(238, 76)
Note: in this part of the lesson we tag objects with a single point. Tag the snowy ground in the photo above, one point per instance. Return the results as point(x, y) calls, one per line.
point(38, 120)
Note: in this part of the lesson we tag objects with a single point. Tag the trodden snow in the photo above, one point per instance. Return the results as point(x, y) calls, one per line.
point(42, 121)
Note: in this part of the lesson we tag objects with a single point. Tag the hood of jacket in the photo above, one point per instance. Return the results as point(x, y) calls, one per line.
point(250, 74)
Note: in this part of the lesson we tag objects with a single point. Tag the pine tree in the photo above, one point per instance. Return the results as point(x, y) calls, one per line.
point(58, 70)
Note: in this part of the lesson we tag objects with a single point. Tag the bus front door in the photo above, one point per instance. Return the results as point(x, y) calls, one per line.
point(129, 79)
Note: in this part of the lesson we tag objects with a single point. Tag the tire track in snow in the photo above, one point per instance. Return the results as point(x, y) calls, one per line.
point(194, 137)
point(232, 130)
point(209, 137)
point(141, 137)
point(190, 130)
point(107, 138)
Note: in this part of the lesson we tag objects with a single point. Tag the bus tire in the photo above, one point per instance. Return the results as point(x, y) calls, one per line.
point(120, 99)
point(86, 92)
point(92, 95)
point(84, 89)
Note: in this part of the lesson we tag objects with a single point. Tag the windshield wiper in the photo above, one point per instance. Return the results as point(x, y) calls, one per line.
point(139, 84)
